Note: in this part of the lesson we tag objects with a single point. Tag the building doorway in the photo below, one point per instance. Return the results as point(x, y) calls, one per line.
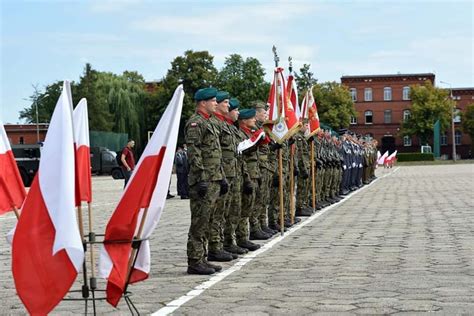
point(388, 143)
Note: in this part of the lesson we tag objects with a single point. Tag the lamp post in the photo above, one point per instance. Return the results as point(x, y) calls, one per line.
point(37, 116)
point(452, 120)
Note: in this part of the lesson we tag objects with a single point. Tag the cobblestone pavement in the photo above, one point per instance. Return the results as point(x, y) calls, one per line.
point(405, 244)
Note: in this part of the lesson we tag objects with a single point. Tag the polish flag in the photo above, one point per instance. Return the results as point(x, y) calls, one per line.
point(12, 191)
point(382, 158)
point(145, 194)
point(292, 120)
point(47, 247)
point(250, 142)
point(392, 157)
point(83, 160)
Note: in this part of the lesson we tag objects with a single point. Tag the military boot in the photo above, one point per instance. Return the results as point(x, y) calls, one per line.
point(234, 255)
point(304, 211)
point(268, 230)
point(247, 244)
point(220, 256)
point(213, 266)
point(235, 249)
point(200, 268)
point(259, 235)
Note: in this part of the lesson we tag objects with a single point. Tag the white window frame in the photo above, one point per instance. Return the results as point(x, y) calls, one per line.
point(353, 94)
point(457, 115)
point(387, 94)
point(443, 139)
point(457, 137)
point(385, 116)
point(406, 115)
point(407, 141)
point(371, 114)
point(368, 94)
point(406, 93)
point(353, 120)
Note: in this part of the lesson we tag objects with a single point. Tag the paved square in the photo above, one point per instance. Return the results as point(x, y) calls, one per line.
point(405, 244)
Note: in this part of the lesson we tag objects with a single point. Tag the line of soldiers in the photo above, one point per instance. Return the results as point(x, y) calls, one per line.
point(234, 177)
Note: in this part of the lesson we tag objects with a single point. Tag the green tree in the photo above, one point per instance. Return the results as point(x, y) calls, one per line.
point(468, 123)
point(46, 102)
point(335, 105)
point(243, 79)
point(304, 80)
point(428, 105)
point(89, 87)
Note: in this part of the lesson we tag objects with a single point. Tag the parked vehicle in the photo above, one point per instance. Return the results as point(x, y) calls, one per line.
point(27, 157)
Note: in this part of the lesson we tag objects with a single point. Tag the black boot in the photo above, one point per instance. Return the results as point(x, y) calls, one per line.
point(247, 244)
point(213, 266)
point(259, 235)
point(200, 268)
point(235, 249)
point(219, 256)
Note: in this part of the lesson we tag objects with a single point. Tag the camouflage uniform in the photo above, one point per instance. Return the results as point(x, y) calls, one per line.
point(251, 175)
point(228, 141)
point(303, 195)
point(205, 160)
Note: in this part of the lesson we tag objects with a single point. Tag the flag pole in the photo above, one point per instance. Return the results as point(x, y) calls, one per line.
point(133, 255)
point(292, 185)
point(91, 236)
point(80, 221)
point(313, 176)
point(15, 210)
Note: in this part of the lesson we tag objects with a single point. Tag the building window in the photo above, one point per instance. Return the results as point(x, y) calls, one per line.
point(353, 94)
point(457, 137)
point(353, 120)
point(406, 93)
point(444, 139)
point(406, 141)
point(387, 116)
point(406, 115)
point(368, 117)
point(457, 116)
point(22, 140)
point(387, 94)
point(368, 94)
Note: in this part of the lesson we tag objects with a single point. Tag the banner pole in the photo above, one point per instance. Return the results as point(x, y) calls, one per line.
point(292, 186)
point(313, 176)
point(15, 210)
point(280, 187)
point(89, 209)
point(135, 250)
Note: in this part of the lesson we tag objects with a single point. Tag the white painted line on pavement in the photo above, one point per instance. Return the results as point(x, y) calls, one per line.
point(177, 303)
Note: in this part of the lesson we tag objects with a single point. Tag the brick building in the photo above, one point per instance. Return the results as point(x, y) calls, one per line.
point(383, 101)
point(25, 133)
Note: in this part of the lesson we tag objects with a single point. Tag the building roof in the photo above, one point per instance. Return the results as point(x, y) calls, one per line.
point(389, 76)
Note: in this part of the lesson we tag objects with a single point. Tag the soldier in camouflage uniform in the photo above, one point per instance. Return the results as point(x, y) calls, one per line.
point(206, 179)
point(251, 176)
point(235, 193)
point(303, 186)
point(266, 167)
point(320, 171)
point(228, 142)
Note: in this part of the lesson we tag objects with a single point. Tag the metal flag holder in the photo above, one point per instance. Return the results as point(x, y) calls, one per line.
point(89, 289)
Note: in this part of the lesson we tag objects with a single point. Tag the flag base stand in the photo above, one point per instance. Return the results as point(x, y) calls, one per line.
point(89, 288)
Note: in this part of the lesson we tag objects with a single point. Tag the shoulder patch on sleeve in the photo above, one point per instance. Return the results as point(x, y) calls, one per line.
point(193, 124)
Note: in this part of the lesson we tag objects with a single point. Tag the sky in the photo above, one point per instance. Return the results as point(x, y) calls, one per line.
point(43, 41)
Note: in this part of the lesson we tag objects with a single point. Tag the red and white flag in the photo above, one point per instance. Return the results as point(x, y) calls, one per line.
point(83, 160)
point(244, 145)
point(310, 109)
point(47, 247)
point(392, 157)
point(12, 191)
point(277, 127)
point(292, 120)
point(147, 189)
point(382, 158)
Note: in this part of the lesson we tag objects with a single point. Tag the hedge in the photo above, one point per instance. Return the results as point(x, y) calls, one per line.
point(415, 157)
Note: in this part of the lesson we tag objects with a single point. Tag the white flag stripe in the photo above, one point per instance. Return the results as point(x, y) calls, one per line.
point(56, 179)
point(4, 141)
point(81, 124)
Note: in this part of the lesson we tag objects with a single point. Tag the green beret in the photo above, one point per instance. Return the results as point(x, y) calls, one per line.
point(234, 104)
point(222, 95)
point(205, 94)
point(247, 113)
